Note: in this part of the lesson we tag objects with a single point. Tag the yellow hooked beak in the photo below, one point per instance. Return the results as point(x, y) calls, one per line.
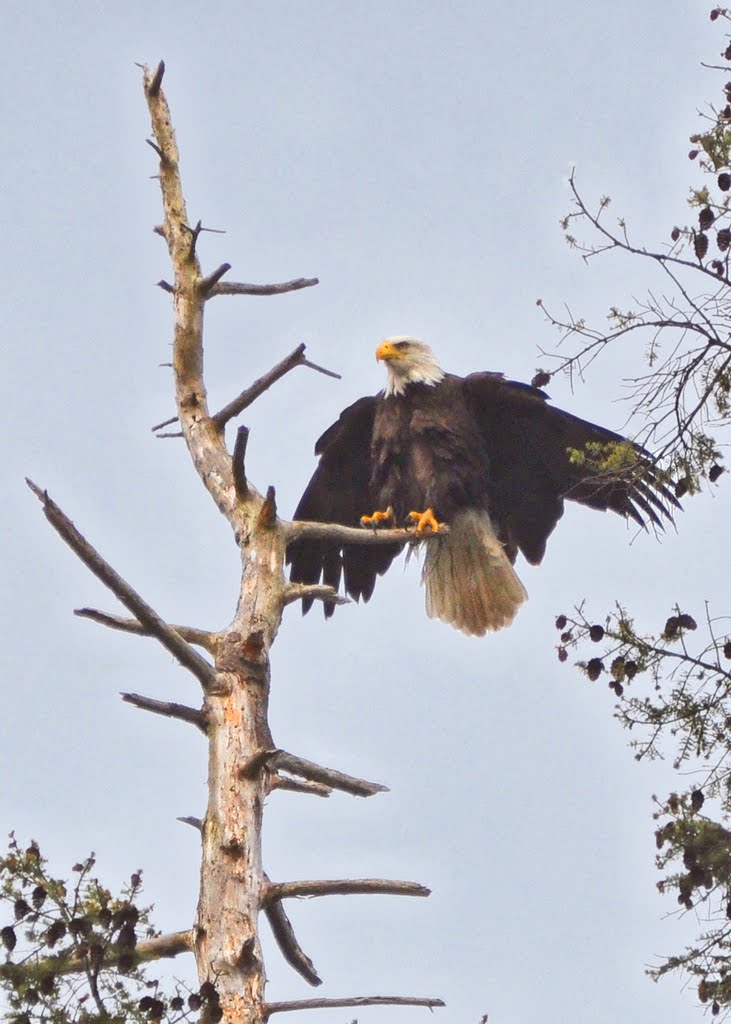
point(387, 350)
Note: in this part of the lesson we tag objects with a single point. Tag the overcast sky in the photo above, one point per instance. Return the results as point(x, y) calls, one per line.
point(413, 156)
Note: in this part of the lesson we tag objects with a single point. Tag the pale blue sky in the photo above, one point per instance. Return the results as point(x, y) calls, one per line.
point(414, 156)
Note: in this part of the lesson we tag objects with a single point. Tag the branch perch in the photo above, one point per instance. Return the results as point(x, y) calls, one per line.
point(302, 528)
point(328, 1004)
point(343, 887)
point(170, 710)
point(314, 591)
point(200, 637)
point(145, 614)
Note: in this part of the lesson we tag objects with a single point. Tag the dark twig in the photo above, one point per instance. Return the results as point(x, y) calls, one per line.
point(321, 369)
point(165, 423)
point(200, 637)
point(241, 484)
point(327, 776)
point(153, 85)
point(155, 146)
point(166, 286)
point(242, 401)
point(327, 1004)
point(170, 710)
point(290, 948)
point(192, 821)
point(344, 887)
point(178, 433)
point(235, 288)
point(297, 786)
point(142, 611)
point(268, 513)
point(210, 282)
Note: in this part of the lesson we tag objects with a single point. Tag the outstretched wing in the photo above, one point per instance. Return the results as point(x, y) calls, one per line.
point(338, 493)
point(540, 455)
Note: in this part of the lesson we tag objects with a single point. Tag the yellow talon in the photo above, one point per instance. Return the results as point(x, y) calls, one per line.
point(378, 519)
point(424, 522)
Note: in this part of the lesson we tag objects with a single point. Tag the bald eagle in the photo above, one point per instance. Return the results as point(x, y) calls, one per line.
point(485, 455)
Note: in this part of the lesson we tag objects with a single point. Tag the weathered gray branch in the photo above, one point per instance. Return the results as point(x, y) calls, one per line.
point(247, 397)
point(199, 637)
point(329, 1004)
point(289, 947)
point(207, 284)
point(343, 887)
point(236, 288)
point(328, 776)
point(296, 786)
point(170, 710)
point(301, 528)
point(142, 611)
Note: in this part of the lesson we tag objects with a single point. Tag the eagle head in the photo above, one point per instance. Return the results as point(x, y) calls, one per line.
point(408, 361)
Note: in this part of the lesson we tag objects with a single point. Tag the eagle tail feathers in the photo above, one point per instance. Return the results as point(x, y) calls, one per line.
point(469, 580)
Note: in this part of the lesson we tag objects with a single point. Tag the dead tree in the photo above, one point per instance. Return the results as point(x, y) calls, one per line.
point(244, 764)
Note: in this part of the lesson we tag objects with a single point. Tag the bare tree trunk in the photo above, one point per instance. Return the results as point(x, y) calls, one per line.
point(243, 763)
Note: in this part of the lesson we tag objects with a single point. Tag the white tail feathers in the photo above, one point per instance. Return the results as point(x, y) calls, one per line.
point(469, 580)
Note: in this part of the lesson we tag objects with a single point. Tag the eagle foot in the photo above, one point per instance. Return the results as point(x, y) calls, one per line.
point(378, 519)
point(424, 522)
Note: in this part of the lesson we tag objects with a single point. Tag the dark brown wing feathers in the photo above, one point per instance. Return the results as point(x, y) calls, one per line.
point(338, 493)
point(531, 472)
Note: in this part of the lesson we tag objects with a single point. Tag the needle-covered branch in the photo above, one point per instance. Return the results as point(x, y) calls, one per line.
point(250, 394)
point(330, 1004)
point(158, 948)
point(343, 887)
point(199, 637)
point(143, 612)
point(170, 710)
